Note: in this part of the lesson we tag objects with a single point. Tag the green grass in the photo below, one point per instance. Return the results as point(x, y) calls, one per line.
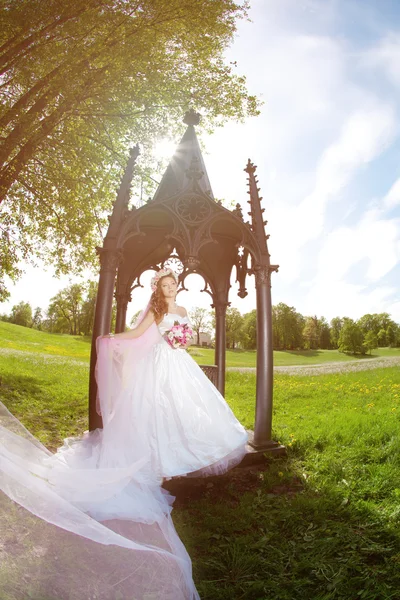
point(323, 523)
point(14, 337)
point(247, 358)
point(339, 536)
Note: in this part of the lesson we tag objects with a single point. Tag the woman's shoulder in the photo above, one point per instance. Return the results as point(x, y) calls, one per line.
point(181, 311)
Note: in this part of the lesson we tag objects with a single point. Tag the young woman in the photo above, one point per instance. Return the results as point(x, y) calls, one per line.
point(164, 408)
point(92, 520)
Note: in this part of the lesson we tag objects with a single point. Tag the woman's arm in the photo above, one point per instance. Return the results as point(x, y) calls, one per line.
point(139, 330)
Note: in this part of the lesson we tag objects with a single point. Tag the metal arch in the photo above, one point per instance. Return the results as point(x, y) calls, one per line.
point(244, 230)
point(206, 280)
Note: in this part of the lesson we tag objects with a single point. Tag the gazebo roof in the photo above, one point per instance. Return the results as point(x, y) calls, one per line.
point(188, 153)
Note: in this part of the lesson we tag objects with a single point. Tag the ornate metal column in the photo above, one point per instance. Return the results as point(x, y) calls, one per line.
point(220, 341)
point(265, 368)
point(110, 256)
point(123, 299)
point(109, 260)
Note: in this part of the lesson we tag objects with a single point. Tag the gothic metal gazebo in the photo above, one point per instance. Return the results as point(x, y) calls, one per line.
point(183, 218)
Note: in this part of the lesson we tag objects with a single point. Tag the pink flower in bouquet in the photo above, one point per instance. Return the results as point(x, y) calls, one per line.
point(179, 335)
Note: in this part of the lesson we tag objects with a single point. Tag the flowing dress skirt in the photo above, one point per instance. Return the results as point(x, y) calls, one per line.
point(92, 520)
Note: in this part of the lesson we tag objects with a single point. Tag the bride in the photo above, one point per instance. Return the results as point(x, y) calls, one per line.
point(97, 519)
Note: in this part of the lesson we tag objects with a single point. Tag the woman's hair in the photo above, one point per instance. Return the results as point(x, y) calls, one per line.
point(158, 303)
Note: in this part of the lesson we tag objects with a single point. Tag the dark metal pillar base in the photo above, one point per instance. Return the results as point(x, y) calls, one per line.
point(255, 450)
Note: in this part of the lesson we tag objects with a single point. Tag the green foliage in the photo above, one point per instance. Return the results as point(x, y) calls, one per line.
point(81, 81)
point(370, 341)
point(311, 333)
point(287, 327)
point(72, 310)
point(37, 318)
point(21, 314)
point(336, 326)
point(351, 337)
point(200, 319)
point(250, 330)
point(386, 330)
point(234, 328)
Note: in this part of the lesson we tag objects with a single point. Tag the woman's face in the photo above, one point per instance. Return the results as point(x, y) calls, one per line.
point(168, 287)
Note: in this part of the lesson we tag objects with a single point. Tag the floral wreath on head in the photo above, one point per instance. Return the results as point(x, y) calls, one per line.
point(159, 274)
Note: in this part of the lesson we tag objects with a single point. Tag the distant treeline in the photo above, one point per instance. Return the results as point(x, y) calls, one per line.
point(72, 311)
point(294, 331)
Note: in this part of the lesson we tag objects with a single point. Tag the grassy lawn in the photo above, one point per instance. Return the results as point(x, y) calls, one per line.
point(247, 358)
point(14, 337)
point(323, 523)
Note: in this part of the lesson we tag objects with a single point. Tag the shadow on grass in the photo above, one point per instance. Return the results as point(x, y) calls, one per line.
point(83, 338)
point(266, 534)
point(305, 353)
point(322, 354)
point(48, 417)
point(17, 389)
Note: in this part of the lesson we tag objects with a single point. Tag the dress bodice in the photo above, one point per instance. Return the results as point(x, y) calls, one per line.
point(169, 320)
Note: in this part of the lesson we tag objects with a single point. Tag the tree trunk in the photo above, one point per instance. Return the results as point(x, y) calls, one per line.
point(12, 112)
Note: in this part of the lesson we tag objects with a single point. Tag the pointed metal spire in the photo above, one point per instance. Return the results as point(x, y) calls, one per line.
point(186, 165)
point(120, 206)
point(256, 212)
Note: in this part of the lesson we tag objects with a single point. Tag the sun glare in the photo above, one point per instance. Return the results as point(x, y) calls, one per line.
point(164, 149)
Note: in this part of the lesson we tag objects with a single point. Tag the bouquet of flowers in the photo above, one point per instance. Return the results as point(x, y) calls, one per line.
point(179, 335)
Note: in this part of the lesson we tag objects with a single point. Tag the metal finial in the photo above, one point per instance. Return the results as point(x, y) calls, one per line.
point(134, 151)
point(191, 117)
point(194, 171)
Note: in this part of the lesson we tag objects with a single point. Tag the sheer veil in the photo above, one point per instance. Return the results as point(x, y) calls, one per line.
point(88, 522)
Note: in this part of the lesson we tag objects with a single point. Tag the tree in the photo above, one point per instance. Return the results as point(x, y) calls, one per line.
point(287, 327)
point(351, 337)
point(311, 332)
point(199, 318)
point(234, 327)
point(250, 330)
point(80, 80)
point(370, 341)
point(369, 322)
point(21, 314)
point(65, 309)
point(335, 328)
point(37, 318)
point(392, 334)
point(88, 308)
point(324, 334)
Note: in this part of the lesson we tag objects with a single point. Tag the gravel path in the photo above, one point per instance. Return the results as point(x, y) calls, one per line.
point(333, 367)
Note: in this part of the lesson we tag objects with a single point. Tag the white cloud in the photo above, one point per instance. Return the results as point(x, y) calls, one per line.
point(344, 299)
point(385, 57)
point(392, 198)
point(364, 135)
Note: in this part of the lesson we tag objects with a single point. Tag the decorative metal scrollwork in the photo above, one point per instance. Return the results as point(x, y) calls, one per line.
point(174, 263)
point(193, 209)
point(109, 259)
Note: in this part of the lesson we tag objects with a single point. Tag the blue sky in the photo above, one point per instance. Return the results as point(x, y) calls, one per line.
point(327, 147)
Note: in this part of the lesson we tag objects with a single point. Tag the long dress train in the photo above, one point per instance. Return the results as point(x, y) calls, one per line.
point(92, 520)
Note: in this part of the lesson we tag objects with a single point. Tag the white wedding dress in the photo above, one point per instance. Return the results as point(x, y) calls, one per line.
point(92, 520)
